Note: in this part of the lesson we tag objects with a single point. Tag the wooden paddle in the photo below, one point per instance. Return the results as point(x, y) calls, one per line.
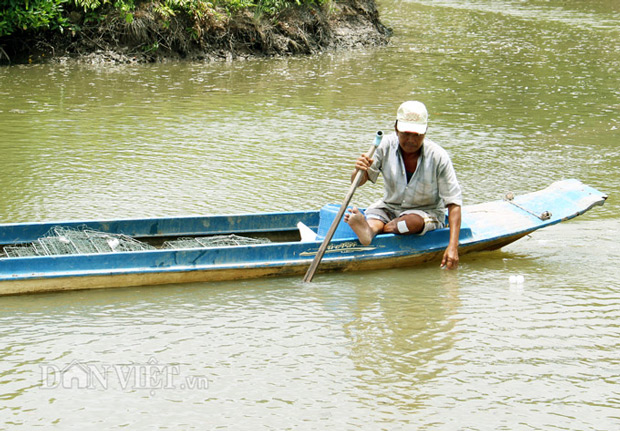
point(330, 233)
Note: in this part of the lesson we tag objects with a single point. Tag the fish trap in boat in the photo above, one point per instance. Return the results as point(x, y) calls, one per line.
point(213, 241)
point(83, 240)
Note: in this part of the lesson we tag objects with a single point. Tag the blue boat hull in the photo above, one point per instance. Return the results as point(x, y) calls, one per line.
point(485, 226)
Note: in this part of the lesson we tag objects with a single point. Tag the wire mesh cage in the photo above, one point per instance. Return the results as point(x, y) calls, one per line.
point(82, 240)
point(213, 241)
point(60, 241)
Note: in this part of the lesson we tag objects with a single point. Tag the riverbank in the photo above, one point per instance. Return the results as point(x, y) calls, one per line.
point(150, 36)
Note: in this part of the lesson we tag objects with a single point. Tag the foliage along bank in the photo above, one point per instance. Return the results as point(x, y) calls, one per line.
point(143, 31)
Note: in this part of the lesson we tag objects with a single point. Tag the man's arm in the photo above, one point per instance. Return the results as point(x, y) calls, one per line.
point(362, 164)
point(451, 255)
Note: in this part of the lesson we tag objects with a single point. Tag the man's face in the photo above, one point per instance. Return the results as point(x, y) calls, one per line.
point(410, 142)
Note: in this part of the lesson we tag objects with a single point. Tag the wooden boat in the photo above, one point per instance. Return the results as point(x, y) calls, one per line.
point(486, 226)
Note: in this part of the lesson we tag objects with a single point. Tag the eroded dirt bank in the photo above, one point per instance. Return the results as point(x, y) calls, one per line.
point(300, 30)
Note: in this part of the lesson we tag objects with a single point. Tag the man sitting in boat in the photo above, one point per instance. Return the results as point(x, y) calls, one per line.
point(419, 184)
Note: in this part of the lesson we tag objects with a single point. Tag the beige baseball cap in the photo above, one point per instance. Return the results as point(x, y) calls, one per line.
point(412, 117)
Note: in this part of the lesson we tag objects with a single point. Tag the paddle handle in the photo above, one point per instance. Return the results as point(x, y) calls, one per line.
point(332, 229)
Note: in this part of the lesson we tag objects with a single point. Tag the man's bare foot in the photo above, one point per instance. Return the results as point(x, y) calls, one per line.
point(360, 226)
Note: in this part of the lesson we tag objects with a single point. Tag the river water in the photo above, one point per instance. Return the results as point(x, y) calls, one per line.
point(521, 93)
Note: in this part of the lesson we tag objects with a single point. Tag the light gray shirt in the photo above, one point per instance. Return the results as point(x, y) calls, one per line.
point(432, 187)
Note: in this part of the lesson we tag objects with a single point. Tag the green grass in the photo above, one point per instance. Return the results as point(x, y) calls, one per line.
point(18, 16)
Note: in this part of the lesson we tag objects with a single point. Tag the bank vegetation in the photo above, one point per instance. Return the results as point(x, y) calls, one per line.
point(160, 30)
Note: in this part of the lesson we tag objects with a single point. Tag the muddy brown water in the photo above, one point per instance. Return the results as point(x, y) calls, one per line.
point(521, 93)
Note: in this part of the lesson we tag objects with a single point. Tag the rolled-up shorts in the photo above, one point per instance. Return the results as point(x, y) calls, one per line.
point(386, 214)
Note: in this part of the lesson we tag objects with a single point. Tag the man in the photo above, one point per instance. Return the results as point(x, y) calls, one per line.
point(419, 183)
